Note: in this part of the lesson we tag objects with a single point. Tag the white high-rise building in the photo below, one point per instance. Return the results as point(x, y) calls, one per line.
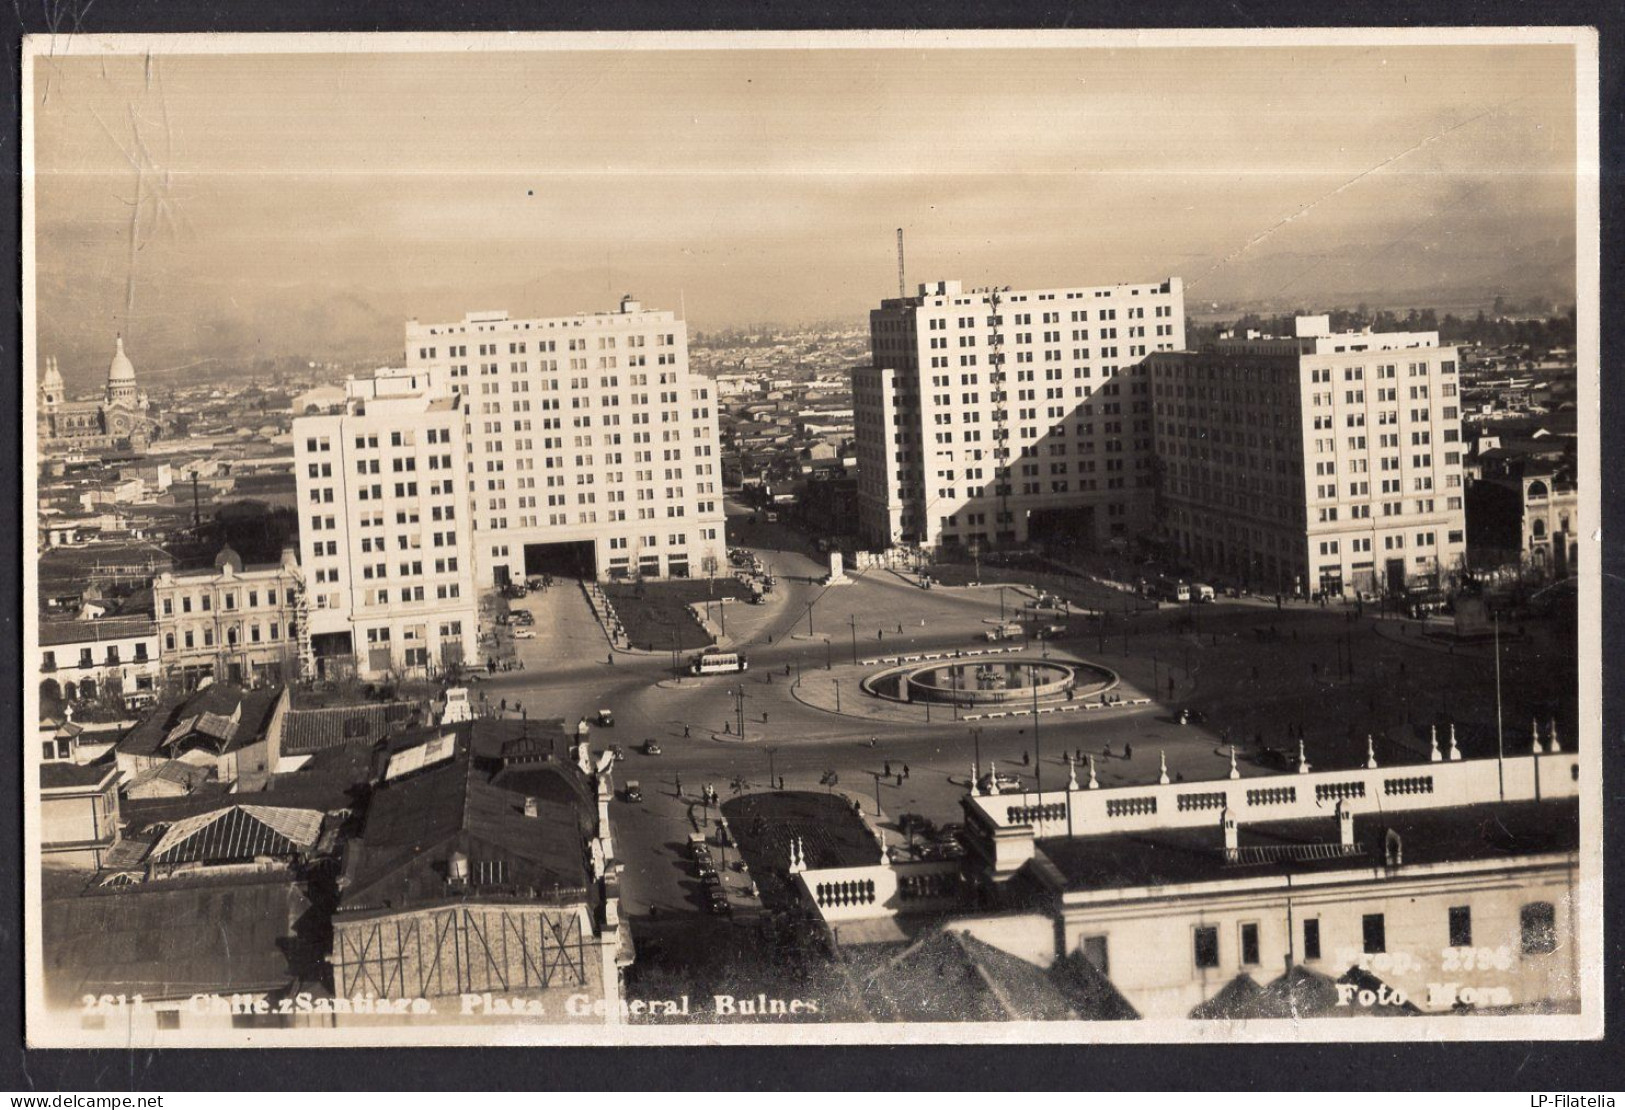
point(1318, 462)
point(387, 541)
point(994, 417)
point(591, 448)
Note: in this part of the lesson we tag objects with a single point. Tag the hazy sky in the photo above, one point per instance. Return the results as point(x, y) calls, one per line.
point(310, 203)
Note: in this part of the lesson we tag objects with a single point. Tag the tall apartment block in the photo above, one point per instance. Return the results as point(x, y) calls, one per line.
point(1318, 462)
point(387, 540)
point(591, 448)
point(994, 417)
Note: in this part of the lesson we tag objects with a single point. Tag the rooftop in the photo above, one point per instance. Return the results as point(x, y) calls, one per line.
point(1176, 856)
point(417, 821)
point(173, 939)
point(231, 717)
point(106, 630)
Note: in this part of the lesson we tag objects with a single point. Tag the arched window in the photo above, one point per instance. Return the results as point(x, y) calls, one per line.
point(1539, 529)
point(1537, 491)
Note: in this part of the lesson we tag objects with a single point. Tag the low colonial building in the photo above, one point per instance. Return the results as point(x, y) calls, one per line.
point(113, 660)
point(231, 732)
point(1526, 511)
point(79, 802)
point(485, 884)
point(1431, 888)
point(234, 622)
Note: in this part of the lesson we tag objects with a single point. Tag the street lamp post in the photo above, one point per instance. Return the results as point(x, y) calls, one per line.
point(976, 740)
point(1038, 748)
point(837, 695)
point(853, 620)
point(772, 780)
point(810, 605)
point(829, 654)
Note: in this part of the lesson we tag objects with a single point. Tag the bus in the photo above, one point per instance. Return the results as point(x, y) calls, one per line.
point(719, 662)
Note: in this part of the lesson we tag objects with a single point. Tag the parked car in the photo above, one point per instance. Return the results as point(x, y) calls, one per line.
point(605, 719)
point(1201, 592)
point(634, 792)
point(1006, 782)
point(522, 632)
point(523, 616)
point(651, 748)
point(617, 751)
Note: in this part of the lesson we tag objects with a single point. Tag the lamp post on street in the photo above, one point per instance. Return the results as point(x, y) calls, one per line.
point(837, 695)
point(853, 620)
point(772, 781)
point(976, 740)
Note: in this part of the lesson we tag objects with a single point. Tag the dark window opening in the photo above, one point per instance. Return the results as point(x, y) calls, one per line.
point(1461, 926)
point(1207, 946)
point(1249, 943)
point(1375, 932)
point(1311, 939)
point(1539, 923)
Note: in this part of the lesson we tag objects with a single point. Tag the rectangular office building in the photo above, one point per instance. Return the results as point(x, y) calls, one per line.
point(991, 418)
point(387, 541)
point(1316, 463)
point(592, 451)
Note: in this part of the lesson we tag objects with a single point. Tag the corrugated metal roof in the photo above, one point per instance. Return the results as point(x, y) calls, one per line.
point(238, 833)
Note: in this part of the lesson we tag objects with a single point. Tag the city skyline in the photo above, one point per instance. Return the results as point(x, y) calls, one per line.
point(746, 185)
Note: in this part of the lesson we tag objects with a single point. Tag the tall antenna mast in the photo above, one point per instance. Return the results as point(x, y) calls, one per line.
point(902, 286)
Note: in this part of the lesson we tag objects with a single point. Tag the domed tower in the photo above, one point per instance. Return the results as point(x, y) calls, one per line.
point(121, 387)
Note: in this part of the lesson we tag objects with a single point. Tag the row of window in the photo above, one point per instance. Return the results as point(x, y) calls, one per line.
point(1537, 927)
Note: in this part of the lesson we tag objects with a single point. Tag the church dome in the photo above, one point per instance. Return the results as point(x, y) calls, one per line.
point(121, 370)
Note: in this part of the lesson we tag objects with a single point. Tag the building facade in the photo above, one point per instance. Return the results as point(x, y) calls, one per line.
point(592, 450)
point(233, 622)
point(1451, 882)
point(118, 418)
point(993, 417)
point(388, 546)
point(115, 658)
point(1314, 464)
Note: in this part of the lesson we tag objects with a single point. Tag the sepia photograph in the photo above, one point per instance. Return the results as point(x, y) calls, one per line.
point(811, 538)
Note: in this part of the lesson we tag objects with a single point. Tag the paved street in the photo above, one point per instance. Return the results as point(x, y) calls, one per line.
point(1255, 671)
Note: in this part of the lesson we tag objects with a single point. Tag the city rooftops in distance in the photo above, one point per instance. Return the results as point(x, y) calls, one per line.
point(1313, 335)
point(942, 294)
point(499, 321)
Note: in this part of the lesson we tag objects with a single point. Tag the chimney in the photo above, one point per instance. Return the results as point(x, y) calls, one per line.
point(1232, 837)
point(1345, 824)
point(531, 809)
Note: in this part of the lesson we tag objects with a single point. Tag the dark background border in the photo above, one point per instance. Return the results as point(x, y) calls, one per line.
point(1585, 1067)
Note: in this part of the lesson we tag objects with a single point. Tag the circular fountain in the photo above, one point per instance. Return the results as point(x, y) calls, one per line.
point(980, 682)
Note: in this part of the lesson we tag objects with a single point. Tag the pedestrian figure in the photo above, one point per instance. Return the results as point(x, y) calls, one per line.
point(685, 731)
point(679, 786)
point(770, 678)
point(1026, 760)
point(899, 628)
point(888, 768)
point(1107, 749)
point(905, 770)
point(880, 633)
point(764, 718)
point(1170, 686)
point(787, 669)
point(872, 741)
point(504, 705)
point(612, 658)
point(727, 728)
point(899, 778)
point(1128, 751)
